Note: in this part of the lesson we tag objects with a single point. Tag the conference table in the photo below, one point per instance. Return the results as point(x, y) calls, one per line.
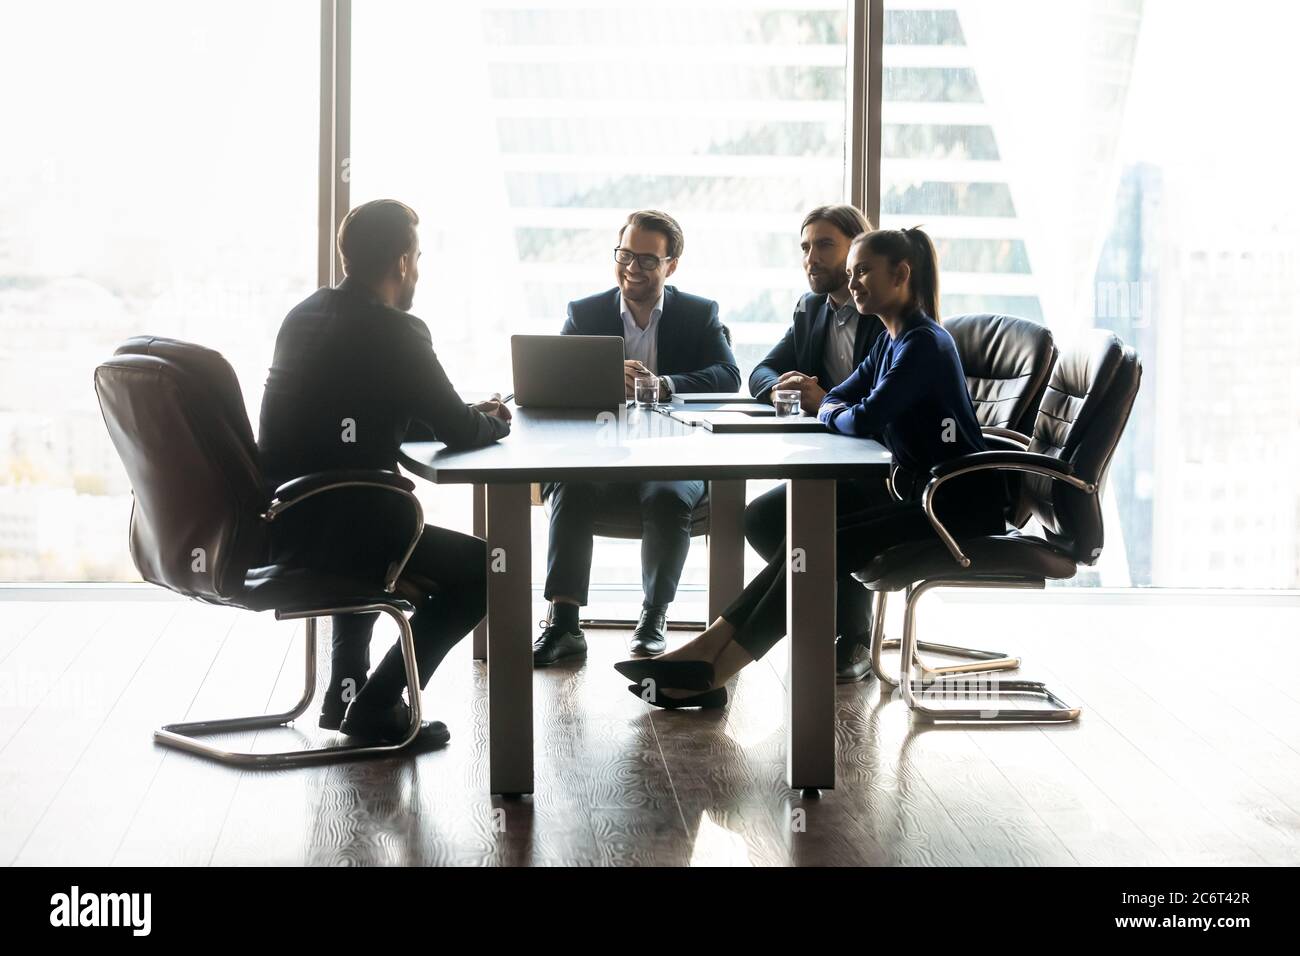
point(631, 444)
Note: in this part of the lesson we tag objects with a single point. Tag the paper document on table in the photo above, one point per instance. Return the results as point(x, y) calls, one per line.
point(731, 423)
point(713, 398)
point(751, 411)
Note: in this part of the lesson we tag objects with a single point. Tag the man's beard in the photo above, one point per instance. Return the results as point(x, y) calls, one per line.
point(407, 299)
point(824, 284)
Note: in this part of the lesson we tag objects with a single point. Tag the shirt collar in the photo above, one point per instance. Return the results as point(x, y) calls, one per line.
point(630, 323)
point(842, 314)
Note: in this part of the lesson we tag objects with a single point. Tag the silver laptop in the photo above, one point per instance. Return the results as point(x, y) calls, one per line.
point(568, 371)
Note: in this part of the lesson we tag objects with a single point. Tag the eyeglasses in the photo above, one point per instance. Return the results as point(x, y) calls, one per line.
point(648, 263)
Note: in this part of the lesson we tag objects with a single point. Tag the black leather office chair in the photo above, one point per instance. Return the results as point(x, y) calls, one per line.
point(200, 518)
point(1083, 414)
point(1007, 362)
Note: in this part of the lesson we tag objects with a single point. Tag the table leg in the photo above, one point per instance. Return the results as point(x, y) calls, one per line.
point(726, 544)
point(509, 639)
point(810, 620)
point(479, 496)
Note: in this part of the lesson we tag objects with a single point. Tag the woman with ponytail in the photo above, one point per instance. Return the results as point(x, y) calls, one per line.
point(910, 394)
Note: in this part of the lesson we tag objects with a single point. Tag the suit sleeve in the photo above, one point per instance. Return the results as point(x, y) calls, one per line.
point(718, 371)
point(433, 400)
point(908, 378)
point(570, 323)
point(780, 360)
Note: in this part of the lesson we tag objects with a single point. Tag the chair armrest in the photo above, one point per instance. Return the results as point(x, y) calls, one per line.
point(298, 489)
point(1010, 434)
point(893, 488)
point(308, 486)
point(1001, 443)
point(1004, 459)
point(1026, 461)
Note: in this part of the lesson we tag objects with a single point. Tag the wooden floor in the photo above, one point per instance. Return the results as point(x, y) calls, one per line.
point(1188, 753)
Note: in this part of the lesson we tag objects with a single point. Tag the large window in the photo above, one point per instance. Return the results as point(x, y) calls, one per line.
point(524, 134)
point(1094, 163)
point(1118, 164)
point(159, 176)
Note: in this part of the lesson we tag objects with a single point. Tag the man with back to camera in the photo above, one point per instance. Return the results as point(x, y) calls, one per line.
point(353, 370)
point(669, 334)
point(826, 342)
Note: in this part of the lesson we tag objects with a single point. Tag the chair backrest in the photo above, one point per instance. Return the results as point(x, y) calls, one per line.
point(1007, 362)
point(176, 417)
point(1081, 420)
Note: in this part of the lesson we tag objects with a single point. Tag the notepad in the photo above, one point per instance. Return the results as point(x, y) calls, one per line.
point(747, 425)
point(736, 408)
point(714, 398)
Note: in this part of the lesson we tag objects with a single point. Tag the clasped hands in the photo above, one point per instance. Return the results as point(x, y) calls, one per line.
point(810, 393)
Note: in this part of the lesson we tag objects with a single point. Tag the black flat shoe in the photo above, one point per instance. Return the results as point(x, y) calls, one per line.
point(556, 644)
point(852, 659)
point(651, 634)
point(391, 727)
point(709, 700)
point(688, 675)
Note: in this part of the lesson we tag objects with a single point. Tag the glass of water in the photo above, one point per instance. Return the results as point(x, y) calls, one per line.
point(645, 389)
point(786, 402)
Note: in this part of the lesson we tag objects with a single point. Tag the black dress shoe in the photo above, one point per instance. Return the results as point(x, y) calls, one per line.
point(556, 644)
point(333, 706)
point(651, 634)
point(709, 700)
point(391, 726)
point(685, 675)
point(852, 659)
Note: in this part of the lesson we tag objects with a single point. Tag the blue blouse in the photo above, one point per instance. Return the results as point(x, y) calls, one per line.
point(910, 393)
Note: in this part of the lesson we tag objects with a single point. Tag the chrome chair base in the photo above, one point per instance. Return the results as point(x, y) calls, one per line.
point(185, 736)
point(992, 699)
point(986, 699)
point(981, 661)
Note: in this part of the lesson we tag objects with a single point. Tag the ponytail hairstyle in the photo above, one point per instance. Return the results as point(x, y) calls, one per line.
point(915, 248)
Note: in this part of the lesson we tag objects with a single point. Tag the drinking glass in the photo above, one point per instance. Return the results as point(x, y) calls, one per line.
point(645, 389)
point(786, 402)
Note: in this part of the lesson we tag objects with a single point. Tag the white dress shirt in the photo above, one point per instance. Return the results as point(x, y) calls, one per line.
point(642, 344)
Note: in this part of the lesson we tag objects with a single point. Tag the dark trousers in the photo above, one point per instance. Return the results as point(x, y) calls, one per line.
point(765, 532)
point(759, 614)
point(448, 570)
point(664, 509)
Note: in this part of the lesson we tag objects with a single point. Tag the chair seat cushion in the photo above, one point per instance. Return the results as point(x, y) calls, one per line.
point(1010, 555)
point(289, 589)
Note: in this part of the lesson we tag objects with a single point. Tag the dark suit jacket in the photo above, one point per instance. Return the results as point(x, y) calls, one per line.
point(693, 352)
point(343, 355)
point(804, 346)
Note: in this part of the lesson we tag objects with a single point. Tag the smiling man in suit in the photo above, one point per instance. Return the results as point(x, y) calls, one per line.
point(678, 338)
point(827, 340)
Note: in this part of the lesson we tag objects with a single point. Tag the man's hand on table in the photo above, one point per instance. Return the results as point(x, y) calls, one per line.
point(810, 393)
point(631, 369)
point(494, 407)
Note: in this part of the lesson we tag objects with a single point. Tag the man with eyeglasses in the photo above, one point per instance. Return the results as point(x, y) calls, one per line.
point(827, 340)
point(676, 337)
